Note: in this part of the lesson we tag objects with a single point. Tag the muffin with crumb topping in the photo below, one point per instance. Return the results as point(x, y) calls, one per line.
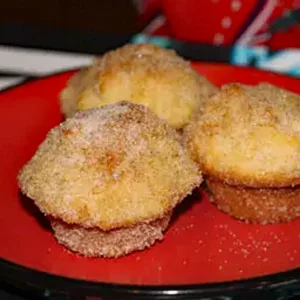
point(247, 141)
point(109, 178)
point(143, 74)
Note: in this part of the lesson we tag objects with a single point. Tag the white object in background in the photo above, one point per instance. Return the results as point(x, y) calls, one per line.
point(283, 62)
point(6, 82)
point(39, 62)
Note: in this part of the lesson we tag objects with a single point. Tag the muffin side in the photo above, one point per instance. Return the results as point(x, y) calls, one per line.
point(256, 205)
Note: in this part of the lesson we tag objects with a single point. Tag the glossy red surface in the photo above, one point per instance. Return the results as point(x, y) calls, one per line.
point(201, 245)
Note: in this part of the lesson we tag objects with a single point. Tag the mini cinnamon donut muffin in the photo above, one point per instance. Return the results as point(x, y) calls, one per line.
point(247, 142)
point(109, 178)
point(143, 74)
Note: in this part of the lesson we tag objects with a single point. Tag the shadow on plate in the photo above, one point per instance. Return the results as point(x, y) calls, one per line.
point(186, 204)
point(33, 211)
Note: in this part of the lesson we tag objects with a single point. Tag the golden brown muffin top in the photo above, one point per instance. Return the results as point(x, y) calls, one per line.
point(110, 167)
point(249, 135)
point(143, 74)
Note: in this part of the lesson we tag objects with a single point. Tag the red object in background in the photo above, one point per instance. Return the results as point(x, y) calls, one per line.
point(202, 244)
point(290, 39)
point(222, 22)
point(213, 22)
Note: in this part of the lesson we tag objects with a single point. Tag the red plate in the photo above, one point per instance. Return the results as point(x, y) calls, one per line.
point(202, 244)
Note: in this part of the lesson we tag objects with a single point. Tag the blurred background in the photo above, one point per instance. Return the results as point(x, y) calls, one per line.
point(102, 16)
point(259, 33)
point(274, 23)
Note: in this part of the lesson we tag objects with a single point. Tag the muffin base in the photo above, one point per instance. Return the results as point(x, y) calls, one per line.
point(256, 205)
point(93, 242)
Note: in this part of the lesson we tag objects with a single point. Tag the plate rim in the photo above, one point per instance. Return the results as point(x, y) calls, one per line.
point(11, 272)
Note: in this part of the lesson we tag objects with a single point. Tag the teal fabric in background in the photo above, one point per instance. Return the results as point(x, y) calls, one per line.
point(285, 61)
